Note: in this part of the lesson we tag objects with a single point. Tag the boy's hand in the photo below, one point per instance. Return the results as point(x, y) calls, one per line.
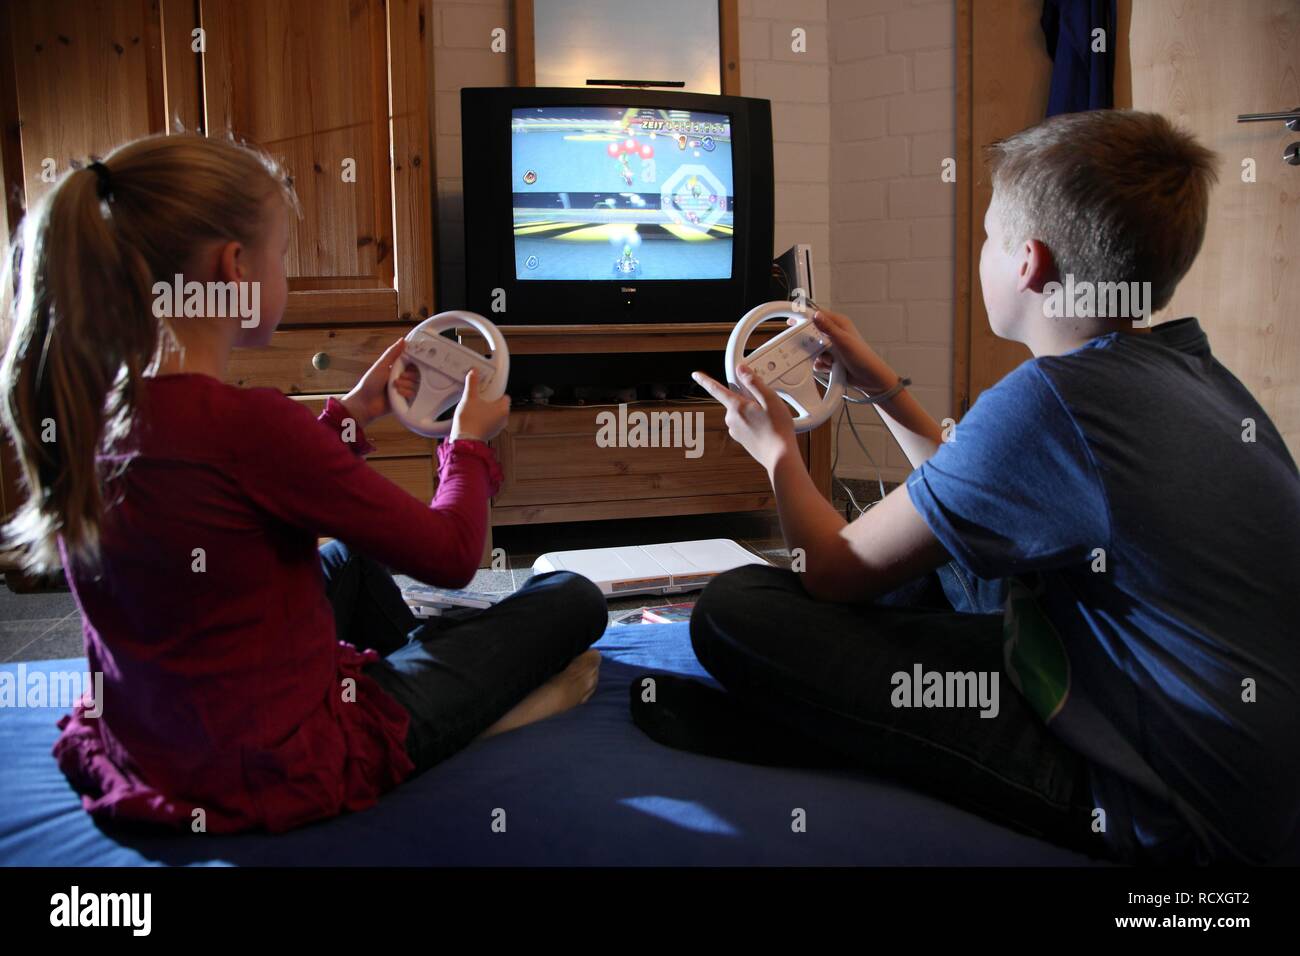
point(862, 366)
point(476, 417)
point(368, 401)
point(764, 427)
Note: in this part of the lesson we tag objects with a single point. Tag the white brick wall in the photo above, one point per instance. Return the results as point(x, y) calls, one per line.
point(798, 84)
point(893, 121)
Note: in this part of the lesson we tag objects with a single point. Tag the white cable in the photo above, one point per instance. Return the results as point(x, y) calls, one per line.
point(880, 481)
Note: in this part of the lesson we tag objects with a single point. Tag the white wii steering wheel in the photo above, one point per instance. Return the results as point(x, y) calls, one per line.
point(443, 364)
point(785, 363)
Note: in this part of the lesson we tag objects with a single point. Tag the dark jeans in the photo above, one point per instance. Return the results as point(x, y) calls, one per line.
point(826, 671)
point(457, 677)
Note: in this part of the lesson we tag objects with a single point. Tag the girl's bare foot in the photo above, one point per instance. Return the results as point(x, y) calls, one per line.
point(566, 690)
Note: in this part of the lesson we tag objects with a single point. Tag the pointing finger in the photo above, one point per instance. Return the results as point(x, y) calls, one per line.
point(724, 395)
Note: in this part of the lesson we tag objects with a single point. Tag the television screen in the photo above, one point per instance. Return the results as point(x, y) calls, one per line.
point(611, 192)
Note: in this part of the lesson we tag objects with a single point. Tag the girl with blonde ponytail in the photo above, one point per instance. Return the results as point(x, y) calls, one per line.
point(245, 675)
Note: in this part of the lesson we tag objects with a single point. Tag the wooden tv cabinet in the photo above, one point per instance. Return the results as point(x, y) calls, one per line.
point(555, 471)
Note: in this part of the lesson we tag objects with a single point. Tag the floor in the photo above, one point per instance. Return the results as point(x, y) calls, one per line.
point(46, 625)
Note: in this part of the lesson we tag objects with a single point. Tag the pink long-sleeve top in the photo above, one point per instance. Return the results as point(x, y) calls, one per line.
point(224, 687)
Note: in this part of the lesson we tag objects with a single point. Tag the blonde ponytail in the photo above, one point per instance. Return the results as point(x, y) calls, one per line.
point(81, 333)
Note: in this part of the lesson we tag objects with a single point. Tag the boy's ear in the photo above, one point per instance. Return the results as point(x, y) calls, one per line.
point(1037, 267)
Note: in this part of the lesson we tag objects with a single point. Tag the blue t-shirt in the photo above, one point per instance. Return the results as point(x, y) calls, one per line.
point(1149, 514)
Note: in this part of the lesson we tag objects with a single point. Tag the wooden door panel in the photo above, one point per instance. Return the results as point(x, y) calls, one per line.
point(87, 77)
point(1201, 64)
point(307, 81)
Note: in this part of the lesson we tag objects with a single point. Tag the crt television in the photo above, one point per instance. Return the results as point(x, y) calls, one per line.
point(615, 205)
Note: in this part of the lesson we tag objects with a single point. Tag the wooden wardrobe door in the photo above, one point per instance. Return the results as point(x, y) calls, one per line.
point(72, 86)
point(332, 89)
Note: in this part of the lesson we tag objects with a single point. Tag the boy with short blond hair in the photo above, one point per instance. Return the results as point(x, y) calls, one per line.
point(1116, 525)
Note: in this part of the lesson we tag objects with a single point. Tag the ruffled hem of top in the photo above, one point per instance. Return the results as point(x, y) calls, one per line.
point(108, 791)
point(385, 722)
point(376, 761)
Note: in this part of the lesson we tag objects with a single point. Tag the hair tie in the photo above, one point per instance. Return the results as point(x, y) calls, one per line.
point(105, 182)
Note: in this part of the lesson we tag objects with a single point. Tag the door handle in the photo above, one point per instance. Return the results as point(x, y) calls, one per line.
point(1290, 117)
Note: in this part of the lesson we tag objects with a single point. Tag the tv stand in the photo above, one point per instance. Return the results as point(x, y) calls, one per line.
point(555, 471)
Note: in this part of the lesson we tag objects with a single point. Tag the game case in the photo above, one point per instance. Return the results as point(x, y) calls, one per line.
point(429, 596)
point(667, 613)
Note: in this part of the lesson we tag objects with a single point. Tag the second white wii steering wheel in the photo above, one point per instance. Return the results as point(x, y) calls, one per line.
point(443, 364)
point(785, 363)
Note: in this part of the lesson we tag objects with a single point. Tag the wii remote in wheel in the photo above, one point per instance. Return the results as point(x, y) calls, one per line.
point(794, 347)
point(450, 359)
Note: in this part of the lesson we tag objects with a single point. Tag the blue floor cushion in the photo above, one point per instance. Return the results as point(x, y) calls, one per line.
point(582, 788)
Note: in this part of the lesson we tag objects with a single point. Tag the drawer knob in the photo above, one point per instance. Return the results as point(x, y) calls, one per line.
point(320, 361)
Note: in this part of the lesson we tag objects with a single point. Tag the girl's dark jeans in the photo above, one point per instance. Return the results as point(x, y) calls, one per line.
point(457, 677)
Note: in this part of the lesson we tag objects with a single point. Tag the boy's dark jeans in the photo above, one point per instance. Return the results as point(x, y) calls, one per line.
point(826, 670)
point(457, 677)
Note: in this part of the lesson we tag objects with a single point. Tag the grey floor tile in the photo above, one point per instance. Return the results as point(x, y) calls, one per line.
point(62, 640)
point(41, 606)
point(17, 638)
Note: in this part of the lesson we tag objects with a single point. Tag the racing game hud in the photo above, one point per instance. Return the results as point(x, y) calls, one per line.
point(605, 193)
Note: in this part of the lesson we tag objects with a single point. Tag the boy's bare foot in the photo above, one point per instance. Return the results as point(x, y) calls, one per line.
point(566, 690)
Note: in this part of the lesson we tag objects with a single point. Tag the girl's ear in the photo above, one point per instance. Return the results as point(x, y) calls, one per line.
point(232, 262)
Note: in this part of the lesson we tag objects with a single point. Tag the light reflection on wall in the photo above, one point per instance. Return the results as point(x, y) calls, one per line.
point(577, 40)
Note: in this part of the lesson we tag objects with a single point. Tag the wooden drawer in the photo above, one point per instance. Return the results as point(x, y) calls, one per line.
point(390, 438)
point(550, 456)
point(286, 364)
point(413, 475)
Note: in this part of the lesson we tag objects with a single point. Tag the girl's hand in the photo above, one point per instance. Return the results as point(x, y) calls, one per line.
point(368, 401)
point(764, 427)
point(862, 366)
point(475, 417)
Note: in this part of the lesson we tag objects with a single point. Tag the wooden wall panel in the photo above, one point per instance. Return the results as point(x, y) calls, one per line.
point(1008, 83)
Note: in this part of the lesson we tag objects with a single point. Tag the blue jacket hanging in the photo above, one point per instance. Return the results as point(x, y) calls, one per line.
point(1081, 79)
